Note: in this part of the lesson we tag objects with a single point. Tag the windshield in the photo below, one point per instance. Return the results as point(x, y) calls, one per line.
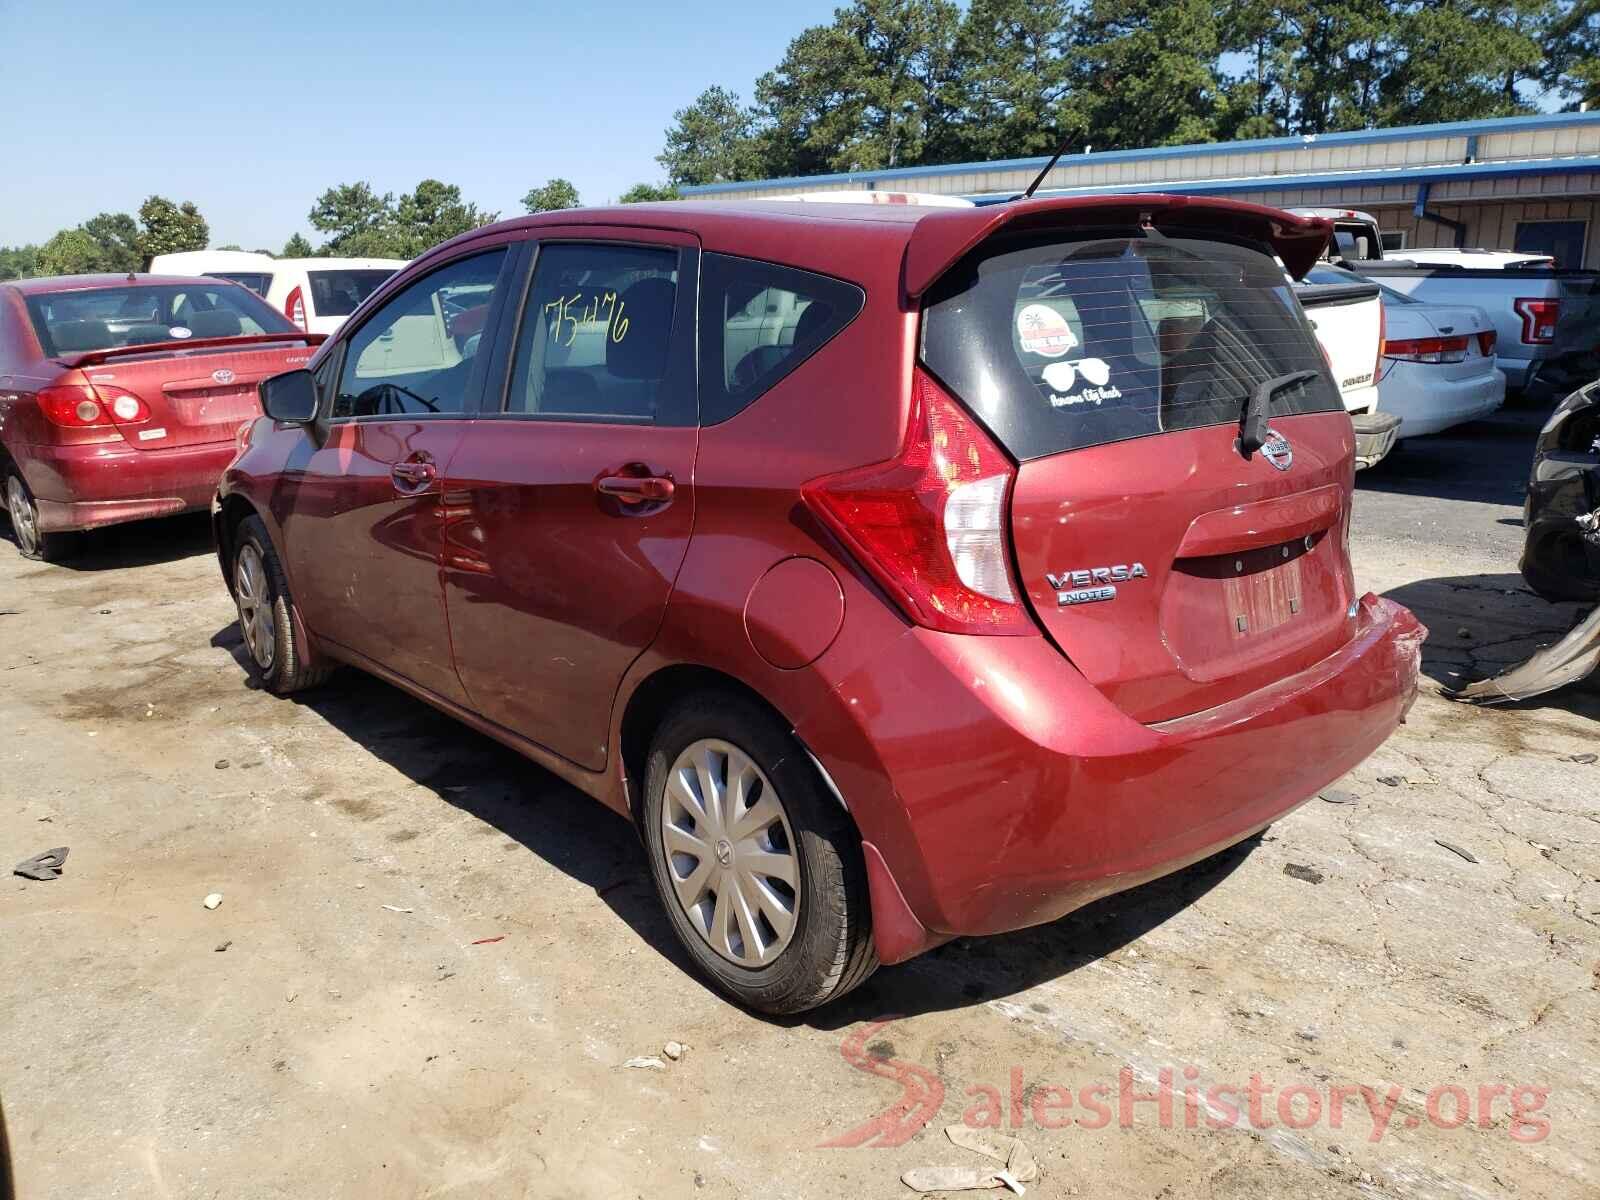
point(338, 293)
point(148, 314)
point(1068, 344)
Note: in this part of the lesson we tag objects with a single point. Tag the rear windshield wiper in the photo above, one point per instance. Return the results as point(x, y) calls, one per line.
point(1253, 421)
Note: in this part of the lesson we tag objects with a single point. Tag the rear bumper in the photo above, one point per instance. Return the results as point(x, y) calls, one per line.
point(1427, 404)
point(1019, 793)
point(85, 487)
point(1375, 437)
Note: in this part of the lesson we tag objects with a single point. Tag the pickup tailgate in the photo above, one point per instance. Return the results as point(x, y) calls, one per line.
point(1348, 320)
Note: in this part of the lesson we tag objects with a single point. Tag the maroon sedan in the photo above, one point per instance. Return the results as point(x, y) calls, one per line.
point(120, 396)
point(902, 573)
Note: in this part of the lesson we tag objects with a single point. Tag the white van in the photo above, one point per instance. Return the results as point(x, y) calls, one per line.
point(251, 269)
point(317, 294)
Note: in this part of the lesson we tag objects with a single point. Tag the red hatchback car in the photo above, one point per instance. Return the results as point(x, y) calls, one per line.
point(903, 573)
point(120, 396)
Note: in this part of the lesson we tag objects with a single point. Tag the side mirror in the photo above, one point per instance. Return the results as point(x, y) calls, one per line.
point(290, 397)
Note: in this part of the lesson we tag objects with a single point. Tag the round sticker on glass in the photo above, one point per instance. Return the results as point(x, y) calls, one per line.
point(180, 331)
point(1044, 331)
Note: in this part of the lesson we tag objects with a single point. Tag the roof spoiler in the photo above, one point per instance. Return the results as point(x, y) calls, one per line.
point(945, 235)
point(89, 358)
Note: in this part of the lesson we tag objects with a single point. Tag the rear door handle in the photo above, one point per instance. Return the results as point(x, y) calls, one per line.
point(412, 475)
point(636, 489)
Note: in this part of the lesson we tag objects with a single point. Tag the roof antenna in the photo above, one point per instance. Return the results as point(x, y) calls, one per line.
point(1066, 144)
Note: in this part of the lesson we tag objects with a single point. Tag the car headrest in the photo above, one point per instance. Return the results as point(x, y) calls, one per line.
point(217, 322)
point(72, 336)
point(642, 352)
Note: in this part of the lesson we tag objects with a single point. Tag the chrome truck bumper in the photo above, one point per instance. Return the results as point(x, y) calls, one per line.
point(1375, 437)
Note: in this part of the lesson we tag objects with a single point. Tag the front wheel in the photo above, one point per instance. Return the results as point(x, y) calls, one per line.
point(261, 593)
point(756, 863)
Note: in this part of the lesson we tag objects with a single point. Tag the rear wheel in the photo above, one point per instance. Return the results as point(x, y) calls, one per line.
point(261, 594)
point(24, 513)
point(758, 867)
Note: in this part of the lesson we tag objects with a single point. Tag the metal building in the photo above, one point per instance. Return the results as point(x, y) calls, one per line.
point(1518, 183)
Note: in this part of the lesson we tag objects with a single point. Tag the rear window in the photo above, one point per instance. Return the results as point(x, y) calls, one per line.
point(338, 293)
point(1064, 345)
point(258, 282)
point(758, 322)
point(143, 314)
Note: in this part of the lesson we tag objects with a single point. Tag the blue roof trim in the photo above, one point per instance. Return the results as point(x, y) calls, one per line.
point(1356, 137)
point(1206, 187)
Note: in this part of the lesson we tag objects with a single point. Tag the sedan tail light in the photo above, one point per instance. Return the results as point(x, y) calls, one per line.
point(1539, 319)
point(1428, 350)
point(125, 408)
point(295, 309)
point(1486, 343)
point(930, 524)
point(72, 406)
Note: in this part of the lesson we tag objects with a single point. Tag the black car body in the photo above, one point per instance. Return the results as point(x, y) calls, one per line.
point(1561, 551)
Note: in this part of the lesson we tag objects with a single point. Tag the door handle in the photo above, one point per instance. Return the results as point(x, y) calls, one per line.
point(636, 489)
point(411, 475)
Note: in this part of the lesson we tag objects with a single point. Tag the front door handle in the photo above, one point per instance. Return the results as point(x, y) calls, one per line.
point(413, 475)
point(636, 489)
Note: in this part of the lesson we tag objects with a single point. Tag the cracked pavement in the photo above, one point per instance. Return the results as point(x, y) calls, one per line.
point(305, 1040)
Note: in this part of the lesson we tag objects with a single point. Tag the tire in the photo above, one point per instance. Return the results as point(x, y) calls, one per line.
point(826, 947)
point(277, 658)
point(24, 515)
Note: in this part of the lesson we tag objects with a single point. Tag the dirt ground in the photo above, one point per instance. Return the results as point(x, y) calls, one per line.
point(340, 1026)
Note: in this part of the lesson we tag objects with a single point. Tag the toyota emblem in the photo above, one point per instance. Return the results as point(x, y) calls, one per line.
point(1277, 451)
point(223, 375)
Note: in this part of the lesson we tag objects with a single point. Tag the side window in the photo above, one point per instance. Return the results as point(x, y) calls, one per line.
point(602, 338)
point(418, 354)
point(758, 322)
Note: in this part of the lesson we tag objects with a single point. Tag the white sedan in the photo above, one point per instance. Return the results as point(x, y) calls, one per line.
point(1437, 369)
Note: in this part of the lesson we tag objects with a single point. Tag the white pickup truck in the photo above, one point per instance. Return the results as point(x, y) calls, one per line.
point(1348, 318)
point(1545, 319)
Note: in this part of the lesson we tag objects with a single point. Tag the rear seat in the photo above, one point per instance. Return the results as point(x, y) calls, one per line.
point(74, 337)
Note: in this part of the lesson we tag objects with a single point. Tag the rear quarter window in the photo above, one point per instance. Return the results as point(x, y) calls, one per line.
point(1061, 345)
point(758, 322)
point(339, 293)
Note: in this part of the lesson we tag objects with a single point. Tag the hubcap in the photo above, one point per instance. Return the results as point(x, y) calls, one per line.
point(255, 606)
point(730, 853)
point(23, 522)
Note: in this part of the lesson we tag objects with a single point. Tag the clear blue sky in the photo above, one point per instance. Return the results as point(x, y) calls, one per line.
point(252, 109)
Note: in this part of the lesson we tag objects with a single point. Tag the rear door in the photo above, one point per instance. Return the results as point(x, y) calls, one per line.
point(570, 502)
point(362, 513)
point(1174, 572)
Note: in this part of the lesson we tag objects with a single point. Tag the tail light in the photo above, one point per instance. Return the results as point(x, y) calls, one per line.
point(125, 407)
point(1428, 350)
point(72, 406)
point(1486, 343)
point(930, 524)
point(295, 309)
point(1539, 319)
point(1383, 335)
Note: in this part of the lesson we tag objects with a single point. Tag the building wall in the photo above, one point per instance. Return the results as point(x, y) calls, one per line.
point(1578, 136)
point(1493, 226)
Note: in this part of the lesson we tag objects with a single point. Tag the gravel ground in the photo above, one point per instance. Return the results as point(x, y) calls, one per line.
point(340, 1026)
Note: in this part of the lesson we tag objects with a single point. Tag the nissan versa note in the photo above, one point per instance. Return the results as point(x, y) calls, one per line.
point(902, 572)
